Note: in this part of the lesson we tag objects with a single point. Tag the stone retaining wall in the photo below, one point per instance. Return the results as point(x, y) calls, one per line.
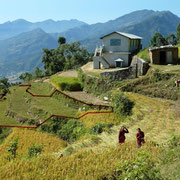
point(121, 74)
point(142, 66)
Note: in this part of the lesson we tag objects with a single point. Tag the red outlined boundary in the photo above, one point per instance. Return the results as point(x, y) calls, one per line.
point(67, 96)
point(1, 96)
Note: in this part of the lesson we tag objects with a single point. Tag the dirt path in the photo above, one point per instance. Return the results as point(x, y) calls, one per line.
point(70, 73)
point(86, 97)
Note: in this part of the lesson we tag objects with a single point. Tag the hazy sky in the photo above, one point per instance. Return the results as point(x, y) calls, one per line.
point(89, 11)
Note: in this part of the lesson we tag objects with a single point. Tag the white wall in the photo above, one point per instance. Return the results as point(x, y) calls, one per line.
point(124, 46)
point(112, 57)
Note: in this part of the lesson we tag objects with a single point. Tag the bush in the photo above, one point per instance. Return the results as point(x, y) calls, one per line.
point(122, 105)
point(99, 128)
point(13, 145)
point(72, 130)
point(141, 168)
point(34, 151)
point(67, 129)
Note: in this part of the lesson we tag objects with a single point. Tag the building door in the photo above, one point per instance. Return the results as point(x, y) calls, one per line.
point(118, 63)
point(162, 57)
point(169, 58)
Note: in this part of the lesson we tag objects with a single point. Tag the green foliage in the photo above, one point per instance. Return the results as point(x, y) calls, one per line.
point(122, 105)
point(4, 85)
point(66, 56)
point(67, 129)
point(13, 146)
point(4, 132)
point(61, 40)
point(158, 76)
point(171, 39)
point(38, 73)
point(144, 55)
point(178, 33)
point(67, 83)
point(170, 158)
point(141, 168)
point(26, 76)
point(72, 130)
point(158, 40)
point(99, 128)
point(34, 151)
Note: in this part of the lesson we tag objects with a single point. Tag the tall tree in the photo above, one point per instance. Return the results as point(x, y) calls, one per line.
point(178, 33)
point(61, 40)
point(66, 56)
point(171, 39)
point(158, 40)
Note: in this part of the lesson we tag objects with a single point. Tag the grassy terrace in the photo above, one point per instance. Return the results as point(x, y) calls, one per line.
point(22, 105)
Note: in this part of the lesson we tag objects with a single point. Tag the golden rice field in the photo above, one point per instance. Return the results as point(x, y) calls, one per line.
point(93, 157)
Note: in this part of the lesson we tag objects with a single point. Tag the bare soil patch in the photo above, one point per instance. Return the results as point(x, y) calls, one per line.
point(86, 97)
point(70, 73)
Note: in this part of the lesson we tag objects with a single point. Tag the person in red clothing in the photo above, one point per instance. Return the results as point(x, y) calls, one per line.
point(121, 136)
point(140, 137)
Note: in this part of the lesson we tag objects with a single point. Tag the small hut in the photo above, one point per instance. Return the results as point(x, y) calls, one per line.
point(164, 55)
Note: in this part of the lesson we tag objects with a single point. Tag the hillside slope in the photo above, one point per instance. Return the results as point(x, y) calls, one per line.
point(23, 52)
point(146, 24)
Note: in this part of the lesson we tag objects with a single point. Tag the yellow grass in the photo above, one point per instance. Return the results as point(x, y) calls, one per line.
point(28, 137)
point(159, 120)
point(82, 165)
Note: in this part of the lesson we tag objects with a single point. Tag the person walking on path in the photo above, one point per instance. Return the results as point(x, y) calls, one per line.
point(121, 136)
point(140, 137)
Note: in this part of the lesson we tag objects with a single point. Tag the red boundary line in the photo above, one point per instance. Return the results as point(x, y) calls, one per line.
point(67, 96)
point(1, 96)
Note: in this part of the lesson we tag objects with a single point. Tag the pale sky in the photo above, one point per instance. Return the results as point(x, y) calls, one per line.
point(89, 11)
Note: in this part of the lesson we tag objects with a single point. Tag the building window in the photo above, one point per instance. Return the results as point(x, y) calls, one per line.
point(115, 42)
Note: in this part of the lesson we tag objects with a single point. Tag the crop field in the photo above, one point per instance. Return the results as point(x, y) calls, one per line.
point(92, 156)
point(20, 107)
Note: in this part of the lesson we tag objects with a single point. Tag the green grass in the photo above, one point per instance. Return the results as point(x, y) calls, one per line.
point(167, 68)
point(23, 105)
point(179, 50)
point(144, 55)
point(66, 83)
point(158, 82)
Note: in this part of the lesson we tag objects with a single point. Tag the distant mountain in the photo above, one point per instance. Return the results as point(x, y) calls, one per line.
point(100, 29)
point(163, 22)
point(23, 52)
point(144, 23)
point(10, 29)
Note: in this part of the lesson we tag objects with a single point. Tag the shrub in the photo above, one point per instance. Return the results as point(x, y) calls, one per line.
point(13, 145)
point(34, 151)
point(72, 130)
point(99, 128)
point(141, 168)
point(122, 105)
point(158, 76)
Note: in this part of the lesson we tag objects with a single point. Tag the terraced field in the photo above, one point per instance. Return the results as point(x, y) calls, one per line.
point(159, 119)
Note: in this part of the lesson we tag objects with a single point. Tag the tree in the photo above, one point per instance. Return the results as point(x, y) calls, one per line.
point(4, 82)
point(38, 72)
point(26, 76)
point(178, 33)
point(61, 40)
point(171, 39)
point(4, 85)
point(158, 40)
point(66, 56)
